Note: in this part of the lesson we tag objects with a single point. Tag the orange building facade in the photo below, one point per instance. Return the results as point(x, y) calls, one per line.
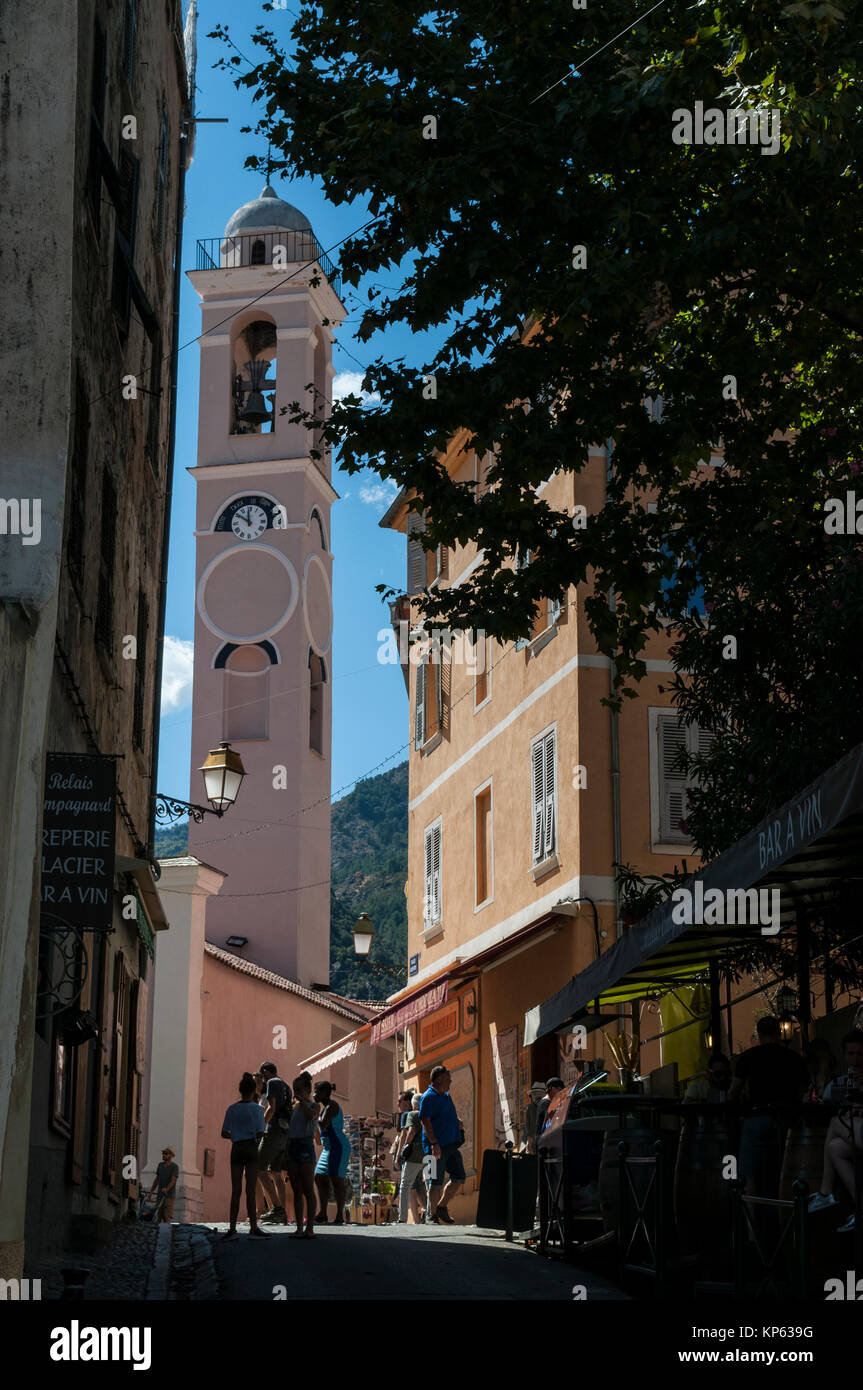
point(524, 791)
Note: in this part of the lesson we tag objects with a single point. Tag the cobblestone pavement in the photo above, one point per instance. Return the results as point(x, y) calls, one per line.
point(120, 1272)
point(193, 1272)
point(392, 1263)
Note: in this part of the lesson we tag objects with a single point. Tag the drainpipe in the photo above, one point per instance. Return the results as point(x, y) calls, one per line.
point(169, 477)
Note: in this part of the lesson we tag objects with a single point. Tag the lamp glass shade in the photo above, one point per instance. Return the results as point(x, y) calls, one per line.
point(786, 1000)
point(223, 775)
point(364, 930)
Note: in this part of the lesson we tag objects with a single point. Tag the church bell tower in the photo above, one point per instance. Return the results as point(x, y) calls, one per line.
point(263, 592)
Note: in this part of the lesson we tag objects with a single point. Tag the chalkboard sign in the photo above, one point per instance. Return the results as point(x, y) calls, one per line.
point(491, 1207)
point(78, 829)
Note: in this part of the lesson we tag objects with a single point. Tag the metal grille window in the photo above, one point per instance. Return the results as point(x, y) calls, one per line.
point(432, 898)
point(124, 236)
point(78, 477)
point(162, 180)
point(130, 24)
point(543, 772)
point(105, 604)
point(97, 116)
point(140, 669)
point(154, 408)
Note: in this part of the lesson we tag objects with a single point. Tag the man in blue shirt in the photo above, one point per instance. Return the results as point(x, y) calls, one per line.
point(441, 1138)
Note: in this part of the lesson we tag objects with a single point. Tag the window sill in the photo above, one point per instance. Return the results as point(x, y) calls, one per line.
point(546, 866)
point(535, 647)
point(482, 704)
point(683, 848)
point(480, 907)
point(432, 933)
point(431, 744)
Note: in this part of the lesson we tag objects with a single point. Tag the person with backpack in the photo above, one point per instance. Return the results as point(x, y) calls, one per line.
point(277, 1116)
point(409, 1155)
point(243, 1123)
point(301, 1155)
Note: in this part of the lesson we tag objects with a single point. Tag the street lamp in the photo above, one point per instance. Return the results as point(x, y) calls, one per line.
point(364, 930)
point(223, 774)
point(786, 1005)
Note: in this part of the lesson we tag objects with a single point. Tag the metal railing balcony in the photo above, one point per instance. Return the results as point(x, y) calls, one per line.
point(266, 249)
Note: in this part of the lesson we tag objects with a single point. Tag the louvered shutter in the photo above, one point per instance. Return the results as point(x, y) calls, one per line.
point(443, 562)
point(427, 891)
point(416, 553)
point(420, 716)
point(538, 796)
point(672, 782)
point(554, 607)
point(436, 873)
point(438, 685)
point(550, 828)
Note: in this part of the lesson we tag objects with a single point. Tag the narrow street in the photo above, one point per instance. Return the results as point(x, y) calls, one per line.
point(395, 1262)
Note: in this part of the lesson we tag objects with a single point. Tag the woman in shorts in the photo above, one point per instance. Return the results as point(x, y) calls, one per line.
point(244, 1122)
point(301, 1155)
point(332, 1165)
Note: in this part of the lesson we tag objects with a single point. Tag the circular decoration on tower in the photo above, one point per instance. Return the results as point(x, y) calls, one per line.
point(247, 593)
point(317, 606)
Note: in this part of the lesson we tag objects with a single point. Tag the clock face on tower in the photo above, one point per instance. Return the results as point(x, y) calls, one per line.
point(249, 517)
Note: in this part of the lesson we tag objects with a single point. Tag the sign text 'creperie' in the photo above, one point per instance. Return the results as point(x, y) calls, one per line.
point(78, 839)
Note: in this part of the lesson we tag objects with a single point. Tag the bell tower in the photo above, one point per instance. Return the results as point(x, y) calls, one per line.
point(263, 592)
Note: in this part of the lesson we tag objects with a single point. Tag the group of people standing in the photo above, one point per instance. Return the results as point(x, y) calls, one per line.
point(272, 1129)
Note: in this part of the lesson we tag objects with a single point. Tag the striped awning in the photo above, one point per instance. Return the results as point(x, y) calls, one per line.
point(336, 1054)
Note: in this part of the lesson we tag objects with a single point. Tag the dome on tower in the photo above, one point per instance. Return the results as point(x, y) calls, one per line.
point(269, 210)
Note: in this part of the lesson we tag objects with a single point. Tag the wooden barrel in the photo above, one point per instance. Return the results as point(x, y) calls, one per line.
point(642, 1144)
point(804, 1156)
point(702, 1197)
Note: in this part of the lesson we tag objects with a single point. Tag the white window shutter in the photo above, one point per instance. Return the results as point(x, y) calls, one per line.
point(436, 872)
point(550, 829)
point(672, 782)
point(537, 772)
point(420, 716)
point(416, 554)
point(427, 895)
point(554, 610)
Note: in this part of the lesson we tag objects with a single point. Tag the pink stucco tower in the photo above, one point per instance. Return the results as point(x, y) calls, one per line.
point(263, 605)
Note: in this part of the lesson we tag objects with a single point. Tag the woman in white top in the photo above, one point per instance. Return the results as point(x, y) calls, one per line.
point(301, 1155)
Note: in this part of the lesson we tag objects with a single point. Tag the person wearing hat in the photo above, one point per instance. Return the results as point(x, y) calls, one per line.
point(529, 1129)
point(165, 1182)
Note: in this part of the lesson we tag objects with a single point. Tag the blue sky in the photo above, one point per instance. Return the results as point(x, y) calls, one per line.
point(370, 718)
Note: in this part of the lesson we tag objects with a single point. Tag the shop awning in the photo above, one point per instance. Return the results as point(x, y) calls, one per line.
point(346, 1048)
point(802, 848)
point(403, 1015)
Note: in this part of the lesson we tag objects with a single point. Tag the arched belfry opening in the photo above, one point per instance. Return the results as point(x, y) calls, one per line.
point(254, 371)
point(317, 682)
point(247, 692)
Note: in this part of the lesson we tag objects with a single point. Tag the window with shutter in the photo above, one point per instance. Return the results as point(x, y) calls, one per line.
point(550, 828)
point(432, 906)
point(416, 553)
point(420, 710)
point(672, 781)
point(538, 794)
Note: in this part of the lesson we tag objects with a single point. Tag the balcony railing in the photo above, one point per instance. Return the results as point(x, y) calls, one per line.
point(266, 249)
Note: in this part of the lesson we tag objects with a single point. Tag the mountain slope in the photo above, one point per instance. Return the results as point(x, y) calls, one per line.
point(369, 869)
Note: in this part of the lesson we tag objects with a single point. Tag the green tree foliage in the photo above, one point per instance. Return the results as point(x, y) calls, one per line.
point(172, 840)
point(725, 279)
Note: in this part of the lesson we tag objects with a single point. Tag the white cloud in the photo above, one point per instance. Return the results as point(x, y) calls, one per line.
point(378, 494)
point(350, 384)
point(177, 673)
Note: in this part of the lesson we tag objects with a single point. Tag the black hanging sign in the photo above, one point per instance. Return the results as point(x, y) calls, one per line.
point(78, 829)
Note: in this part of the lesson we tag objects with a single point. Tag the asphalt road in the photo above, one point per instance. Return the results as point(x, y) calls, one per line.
point(395, 1262)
